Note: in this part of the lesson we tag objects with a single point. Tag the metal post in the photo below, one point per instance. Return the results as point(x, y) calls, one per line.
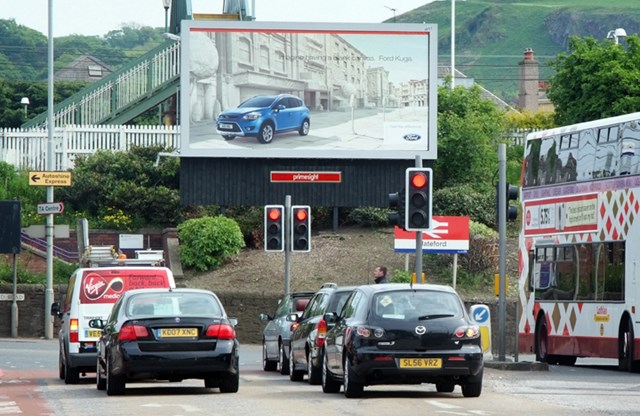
point(502, 231)
point(48, 294)
point(14, 305)
point(287, 244)
point(455, 269)
point(419, 278)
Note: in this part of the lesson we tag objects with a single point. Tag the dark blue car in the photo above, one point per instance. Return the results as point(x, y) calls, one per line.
point(263, 116)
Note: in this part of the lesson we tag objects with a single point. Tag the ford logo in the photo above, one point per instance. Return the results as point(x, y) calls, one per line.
point(420, 330)
point(412, 137)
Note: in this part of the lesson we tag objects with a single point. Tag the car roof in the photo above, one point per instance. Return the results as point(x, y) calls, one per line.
point(388, 287)
point(134, 292)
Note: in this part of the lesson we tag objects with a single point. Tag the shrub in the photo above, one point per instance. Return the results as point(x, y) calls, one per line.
point(369, 216)
point(205, 243)
point(400, 276)
point(483, 249)
point(465, 200)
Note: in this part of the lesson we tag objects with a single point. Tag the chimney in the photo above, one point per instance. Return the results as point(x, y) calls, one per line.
point(529, 77)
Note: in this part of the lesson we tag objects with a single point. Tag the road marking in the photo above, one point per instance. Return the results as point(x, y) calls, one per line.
point(9, 408)
point(441, 405)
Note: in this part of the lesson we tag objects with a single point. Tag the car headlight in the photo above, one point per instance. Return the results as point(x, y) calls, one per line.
point(252, 116)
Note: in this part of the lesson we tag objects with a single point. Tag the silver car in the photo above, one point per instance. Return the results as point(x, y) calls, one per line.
point(276, 335)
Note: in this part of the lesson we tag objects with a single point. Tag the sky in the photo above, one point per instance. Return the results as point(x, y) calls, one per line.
point(98, 17)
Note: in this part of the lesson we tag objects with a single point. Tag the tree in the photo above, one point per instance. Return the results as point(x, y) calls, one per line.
point(596, 80)
point(469, 129)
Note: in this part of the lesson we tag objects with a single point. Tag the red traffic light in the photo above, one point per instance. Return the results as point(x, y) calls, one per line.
point(301, 214)
point(274, 214)
point(418, 180)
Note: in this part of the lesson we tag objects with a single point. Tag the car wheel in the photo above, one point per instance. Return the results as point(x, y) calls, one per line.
point(211, 382)
point(101, 382)
point(304, 128)
point(267, 365)
point(445, 387)
point(71, 375)
point(283, 361)
point(352, 388)
point(314, 374)
point(266, 132)
point(228, 137)
point(472, 387)
point(115, 384)
point(230, 383)
point(61, 368)
point(329, 384)
point(294, 375)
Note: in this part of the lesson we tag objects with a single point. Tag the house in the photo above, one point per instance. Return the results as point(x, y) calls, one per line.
point(85, 68)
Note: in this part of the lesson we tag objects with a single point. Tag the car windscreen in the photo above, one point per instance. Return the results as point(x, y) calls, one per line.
point(264, 101)
point(173, 304)
point(415, 305)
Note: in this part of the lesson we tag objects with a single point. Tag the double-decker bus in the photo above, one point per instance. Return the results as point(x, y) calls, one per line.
point(579, 244)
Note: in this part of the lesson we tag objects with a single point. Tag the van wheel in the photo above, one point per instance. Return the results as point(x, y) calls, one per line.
point(61, 368)
point(71, 375)
point(115, 384)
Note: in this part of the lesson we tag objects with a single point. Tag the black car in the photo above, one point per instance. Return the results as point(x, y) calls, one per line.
point(167, 334)
point(309, 330)
point(402, 334)
point(275, 337)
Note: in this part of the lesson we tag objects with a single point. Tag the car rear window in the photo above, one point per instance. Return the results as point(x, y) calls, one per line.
point(415, 304)
point(173, 304)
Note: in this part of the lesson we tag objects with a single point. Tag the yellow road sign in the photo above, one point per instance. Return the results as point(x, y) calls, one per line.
point(50, 178)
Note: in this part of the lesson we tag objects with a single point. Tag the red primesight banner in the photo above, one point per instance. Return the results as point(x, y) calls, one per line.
point(306, 177)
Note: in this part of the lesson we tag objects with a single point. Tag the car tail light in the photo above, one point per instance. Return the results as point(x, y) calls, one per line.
point(321, 328)
point(221, 331)
point(294, 326)
point(467, 332)
point(73, 330)
point(367, 332)
point(132, 332)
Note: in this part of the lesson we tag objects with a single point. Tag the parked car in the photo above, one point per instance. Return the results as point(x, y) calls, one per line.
point(263, 116)
point(402, 334)
point(167, 334)
point(91, 293)
point(309, 330)
point(276, 334)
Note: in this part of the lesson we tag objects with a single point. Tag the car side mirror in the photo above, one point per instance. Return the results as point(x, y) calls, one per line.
point(96, 323)
point(292, 317)
point(234, 321)
point(55, 309)
point(330, 318)
point(265, 317)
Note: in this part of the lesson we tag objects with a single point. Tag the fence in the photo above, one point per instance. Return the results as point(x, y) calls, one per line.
point(27, 148)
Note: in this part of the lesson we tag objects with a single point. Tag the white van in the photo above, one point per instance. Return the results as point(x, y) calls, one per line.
point(91, 295)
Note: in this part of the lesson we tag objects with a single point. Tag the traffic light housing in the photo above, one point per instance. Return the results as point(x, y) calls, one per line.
point(300, 228)
point(511, 193)
point(274, 228)
point(418, 187)
point(396, 205)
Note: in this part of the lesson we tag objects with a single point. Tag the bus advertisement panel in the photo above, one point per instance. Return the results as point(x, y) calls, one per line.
point(578, 277)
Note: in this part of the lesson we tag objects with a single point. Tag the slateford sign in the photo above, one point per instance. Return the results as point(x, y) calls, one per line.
point(448, 235)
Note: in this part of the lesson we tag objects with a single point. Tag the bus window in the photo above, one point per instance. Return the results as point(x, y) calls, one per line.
point(586, 155)
point(606, 161)
point(630, 149)
point(609, 266)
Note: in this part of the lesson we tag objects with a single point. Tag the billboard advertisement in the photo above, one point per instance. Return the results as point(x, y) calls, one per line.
point(308, 90)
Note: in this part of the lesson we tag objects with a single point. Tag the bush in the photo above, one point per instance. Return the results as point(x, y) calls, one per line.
point(465, 200)
point(369, 217)
point(207, 242)
point(61, 272)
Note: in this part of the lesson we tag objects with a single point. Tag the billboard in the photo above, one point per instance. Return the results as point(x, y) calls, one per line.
point(308, 90)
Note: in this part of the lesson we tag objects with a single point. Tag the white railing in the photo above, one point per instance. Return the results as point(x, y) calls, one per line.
point(27, 148)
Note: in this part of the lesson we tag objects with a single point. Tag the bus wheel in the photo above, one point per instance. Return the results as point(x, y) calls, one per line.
point(542, 354)
point(625, 348)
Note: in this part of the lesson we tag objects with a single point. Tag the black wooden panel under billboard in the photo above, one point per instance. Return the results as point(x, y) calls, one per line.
point(9, 227)
point(235, 181)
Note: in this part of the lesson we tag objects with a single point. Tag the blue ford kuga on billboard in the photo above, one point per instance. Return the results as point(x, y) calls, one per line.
point(263, 116)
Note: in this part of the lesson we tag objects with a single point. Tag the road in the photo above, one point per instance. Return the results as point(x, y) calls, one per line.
point(29, 386)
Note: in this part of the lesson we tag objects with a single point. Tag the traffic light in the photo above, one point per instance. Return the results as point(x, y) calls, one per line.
point(418, 186)
point(396, 204)
point(273, 228)
point(300, 228)
point(511, 195)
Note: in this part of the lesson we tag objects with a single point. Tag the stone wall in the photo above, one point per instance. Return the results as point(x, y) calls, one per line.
point(246, 307)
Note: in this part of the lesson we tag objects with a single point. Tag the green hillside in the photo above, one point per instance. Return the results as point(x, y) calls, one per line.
point(491, 35)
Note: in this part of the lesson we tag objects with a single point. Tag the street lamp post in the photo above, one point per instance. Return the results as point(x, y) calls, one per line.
point(25, 102)
point(615, 35)
point(166, 4)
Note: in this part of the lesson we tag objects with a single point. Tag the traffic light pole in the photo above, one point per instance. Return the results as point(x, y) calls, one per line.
point(502, 234)
point(419, 278)
point(287, 244)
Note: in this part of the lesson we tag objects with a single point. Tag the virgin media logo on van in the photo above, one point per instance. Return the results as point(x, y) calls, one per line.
point(95, 286)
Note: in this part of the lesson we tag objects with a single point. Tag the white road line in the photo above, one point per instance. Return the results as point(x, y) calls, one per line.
point(441, 405)
point(9, 408)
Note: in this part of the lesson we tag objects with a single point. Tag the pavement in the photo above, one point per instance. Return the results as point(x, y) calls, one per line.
point(524, 362)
